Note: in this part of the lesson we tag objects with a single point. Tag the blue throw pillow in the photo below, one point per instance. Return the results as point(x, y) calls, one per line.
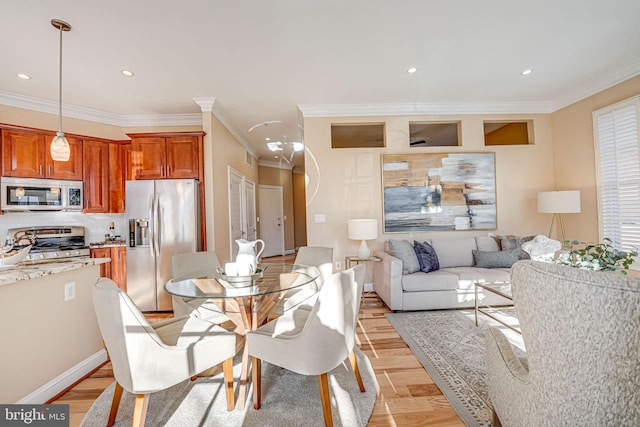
point(427, 257)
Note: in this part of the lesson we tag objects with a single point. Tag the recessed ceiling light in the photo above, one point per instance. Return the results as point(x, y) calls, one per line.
point(267, 139)
point(275, 146)
point(527, 71)
point(412, 70)
point(127, 73)
point(23, 76)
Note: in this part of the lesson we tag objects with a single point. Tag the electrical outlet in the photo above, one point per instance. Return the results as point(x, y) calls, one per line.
point(338, 265)
point(70, 291)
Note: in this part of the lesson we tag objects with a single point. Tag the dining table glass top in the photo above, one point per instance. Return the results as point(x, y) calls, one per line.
point(271, 278)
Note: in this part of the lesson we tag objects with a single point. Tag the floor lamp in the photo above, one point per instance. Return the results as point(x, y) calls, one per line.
point(558, 203)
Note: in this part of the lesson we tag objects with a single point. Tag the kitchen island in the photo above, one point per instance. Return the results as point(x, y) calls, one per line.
point(48, 327)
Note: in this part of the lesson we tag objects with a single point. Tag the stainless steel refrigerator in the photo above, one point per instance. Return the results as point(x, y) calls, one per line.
point(163, 219)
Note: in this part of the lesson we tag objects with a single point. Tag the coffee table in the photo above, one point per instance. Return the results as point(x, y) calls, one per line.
point(499, 288)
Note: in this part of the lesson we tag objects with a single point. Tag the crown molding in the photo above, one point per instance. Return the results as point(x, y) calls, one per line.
point(82, 113)
point(626, 73)
point(406, 109)
point(206, 104)
point(214, 106)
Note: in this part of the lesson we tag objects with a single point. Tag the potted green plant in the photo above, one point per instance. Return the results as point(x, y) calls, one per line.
point(596, 256)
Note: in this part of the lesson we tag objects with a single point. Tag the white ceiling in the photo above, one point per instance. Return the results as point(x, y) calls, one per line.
point(262, 59)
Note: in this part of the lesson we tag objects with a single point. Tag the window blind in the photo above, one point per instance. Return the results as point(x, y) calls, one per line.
point(618, 173)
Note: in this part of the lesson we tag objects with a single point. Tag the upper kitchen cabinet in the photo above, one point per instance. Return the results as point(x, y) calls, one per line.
point(166, 155)
point(25, 153)
point(96, 176)
point(119, 153)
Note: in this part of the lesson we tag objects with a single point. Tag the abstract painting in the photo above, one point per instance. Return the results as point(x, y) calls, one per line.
point(439, 191)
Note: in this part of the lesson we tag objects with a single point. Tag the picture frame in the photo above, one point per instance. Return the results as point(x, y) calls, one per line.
point(438, 192)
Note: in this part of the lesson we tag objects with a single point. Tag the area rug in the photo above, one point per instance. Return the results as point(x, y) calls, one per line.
point(452, 350)
point(288, 399)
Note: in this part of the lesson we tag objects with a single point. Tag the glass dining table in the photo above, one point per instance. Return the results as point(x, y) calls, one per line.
point(246, 300)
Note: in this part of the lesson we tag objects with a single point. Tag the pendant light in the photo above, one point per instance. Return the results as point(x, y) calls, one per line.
point(60, 150)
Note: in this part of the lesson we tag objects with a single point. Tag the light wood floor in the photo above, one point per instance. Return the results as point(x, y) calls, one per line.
point(406, 397)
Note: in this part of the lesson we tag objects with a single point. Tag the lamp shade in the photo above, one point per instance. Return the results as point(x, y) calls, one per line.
point(559, 201)
point(60, 149)
point(363, 229)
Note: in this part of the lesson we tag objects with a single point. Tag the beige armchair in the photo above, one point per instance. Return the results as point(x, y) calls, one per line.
point(305, 296)
point(313, 342)
point(188, 266)
point(149, 358)
point(581, 330)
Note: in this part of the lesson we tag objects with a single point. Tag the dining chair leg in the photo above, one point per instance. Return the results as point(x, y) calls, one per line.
point(227, 370)
point(356, 370)
point(140, 410)
point(256, 377)
point(117, 394)
point(325, 397)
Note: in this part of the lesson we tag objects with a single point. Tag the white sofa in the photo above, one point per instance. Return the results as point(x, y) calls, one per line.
point(451, 286)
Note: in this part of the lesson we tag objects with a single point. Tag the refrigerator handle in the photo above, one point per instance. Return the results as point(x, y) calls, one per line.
point(151, 226)
point(156, 225)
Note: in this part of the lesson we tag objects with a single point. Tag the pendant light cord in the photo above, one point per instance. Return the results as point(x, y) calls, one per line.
point(60, 86)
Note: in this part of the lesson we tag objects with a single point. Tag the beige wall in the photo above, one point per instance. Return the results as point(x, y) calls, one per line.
point(346, 183)
point(38, 120)
point(42, 335)
point(35, 119)
point(283, 178)
point(574, 153)
point(299, 210)
point(221, 149)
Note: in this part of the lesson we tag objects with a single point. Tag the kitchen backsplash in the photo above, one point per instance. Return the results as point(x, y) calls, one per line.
point(96, 225)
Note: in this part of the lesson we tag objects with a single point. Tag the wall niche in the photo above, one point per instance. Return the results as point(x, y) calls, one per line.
point(508, 132)
point(434, 134)
point(357, 135)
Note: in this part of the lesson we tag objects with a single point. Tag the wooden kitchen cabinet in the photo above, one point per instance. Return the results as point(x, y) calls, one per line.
point(96, 176)
point(115, 270)
point(166, 155)
point(25, 154)
point(119, 153)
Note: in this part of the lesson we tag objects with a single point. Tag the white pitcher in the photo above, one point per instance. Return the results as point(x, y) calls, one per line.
point(247, 258)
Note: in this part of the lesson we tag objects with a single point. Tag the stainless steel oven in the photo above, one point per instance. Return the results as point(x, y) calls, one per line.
point(27, 194)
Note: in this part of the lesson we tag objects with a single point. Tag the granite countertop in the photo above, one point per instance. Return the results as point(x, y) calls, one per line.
point(32, 269)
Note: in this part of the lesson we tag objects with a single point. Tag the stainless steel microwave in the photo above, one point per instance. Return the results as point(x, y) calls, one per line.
point(27, 194)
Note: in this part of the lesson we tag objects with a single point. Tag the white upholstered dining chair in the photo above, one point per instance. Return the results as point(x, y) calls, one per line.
point(313, 342)
point(188, 266)
point(148, 358)
point(315, 256)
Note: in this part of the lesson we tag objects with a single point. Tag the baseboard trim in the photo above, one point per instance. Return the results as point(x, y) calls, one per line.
point(289, 251)
point(65, 380)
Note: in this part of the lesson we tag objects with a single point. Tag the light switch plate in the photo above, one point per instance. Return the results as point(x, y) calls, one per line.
point(319, 218)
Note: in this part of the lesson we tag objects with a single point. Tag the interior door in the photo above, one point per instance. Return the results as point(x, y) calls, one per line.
point(235, 211)
point(271, 219)
point(249, 209)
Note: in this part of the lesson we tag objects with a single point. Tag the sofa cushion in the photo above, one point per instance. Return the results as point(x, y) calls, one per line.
point(514, 242)
point(467, 276)
point(454, 252)
point(486, 243)
point(427, 257)
point(403, 250)
point(434, 281)
point(495, 259)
